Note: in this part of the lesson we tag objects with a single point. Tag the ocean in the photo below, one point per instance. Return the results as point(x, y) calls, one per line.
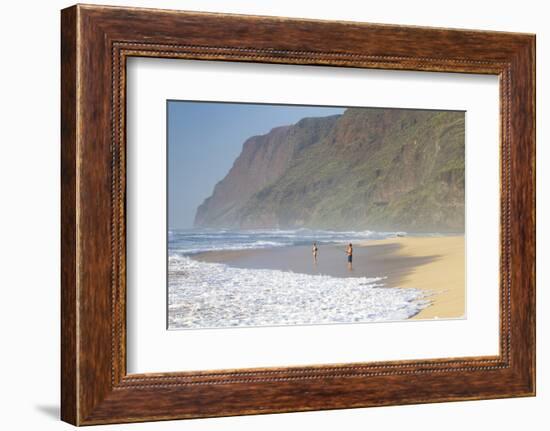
point(217, 295)
point(191, 241)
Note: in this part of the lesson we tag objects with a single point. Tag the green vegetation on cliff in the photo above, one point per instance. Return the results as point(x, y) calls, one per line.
point(369, 168)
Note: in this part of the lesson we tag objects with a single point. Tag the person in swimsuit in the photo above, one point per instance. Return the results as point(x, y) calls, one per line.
point(315, 252)
point(349, 252)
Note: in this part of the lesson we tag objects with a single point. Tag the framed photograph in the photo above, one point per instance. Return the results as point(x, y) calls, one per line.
point(306, 225)
point(264, 214)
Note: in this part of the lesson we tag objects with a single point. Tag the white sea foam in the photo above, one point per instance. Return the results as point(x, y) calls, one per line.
point(214, 295)
point(190, 241)
point(201, 248)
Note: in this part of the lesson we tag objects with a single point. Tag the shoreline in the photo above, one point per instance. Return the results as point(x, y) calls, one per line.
point(434, 264)
point(369, 260)
point(445, 276)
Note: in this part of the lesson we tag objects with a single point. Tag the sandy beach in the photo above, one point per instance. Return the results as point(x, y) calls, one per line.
point(434, 264)
point(444, 274)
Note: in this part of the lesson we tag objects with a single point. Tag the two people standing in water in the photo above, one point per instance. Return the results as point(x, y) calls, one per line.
point(349, 253)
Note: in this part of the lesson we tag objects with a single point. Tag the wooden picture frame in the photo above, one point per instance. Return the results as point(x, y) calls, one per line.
point(95, 43)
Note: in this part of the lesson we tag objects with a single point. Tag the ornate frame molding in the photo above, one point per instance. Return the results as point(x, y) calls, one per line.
point(96, 41)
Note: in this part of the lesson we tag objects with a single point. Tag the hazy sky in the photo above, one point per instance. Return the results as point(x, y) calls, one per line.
point(205, 138)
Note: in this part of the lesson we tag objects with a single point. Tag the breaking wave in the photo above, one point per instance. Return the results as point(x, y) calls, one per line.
point(215, 295)
point(186, 242)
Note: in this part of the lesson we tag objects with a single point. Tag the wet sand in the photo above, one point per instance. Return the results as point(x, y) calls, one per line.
point(372, 260)
point(431, 263)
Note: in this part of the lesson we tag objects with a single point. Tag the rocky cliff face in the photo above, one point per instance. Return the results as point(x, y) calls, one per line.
point(366, 169)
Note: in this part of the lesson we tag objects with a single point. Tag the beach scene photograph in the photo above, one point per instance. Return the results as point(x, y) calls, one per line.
point(283, 215)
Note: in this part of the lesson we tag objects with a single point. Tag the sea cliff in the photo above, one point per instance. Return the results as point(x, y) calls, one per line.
point(368, 168)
